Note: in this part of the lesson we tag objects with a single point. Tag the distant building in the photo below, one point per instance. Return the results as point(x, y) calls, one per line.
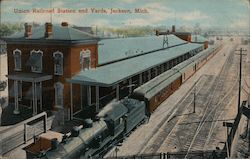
point(187, 36)
point(182, 35)
point(61, 68)
point(200, 40)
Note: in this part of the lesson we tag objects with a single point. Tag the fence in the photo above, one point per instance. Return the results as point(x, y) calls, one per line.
point(20, 133)
point(212, 154)
point(143, 156)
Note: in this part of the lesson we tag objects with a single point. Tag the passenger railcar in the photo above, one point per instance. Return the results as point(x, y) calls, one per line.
point(186, 68)
point(158, 89)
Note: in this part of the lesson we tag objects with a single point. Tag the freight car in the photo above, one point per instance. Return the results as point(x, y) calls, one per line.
point(93, 138)
point(157, 90)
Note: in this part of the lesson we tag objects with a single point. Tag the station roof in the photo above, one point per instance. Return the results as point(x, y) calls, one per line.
point(109, 75)
point(62, 33)
point(110, 50)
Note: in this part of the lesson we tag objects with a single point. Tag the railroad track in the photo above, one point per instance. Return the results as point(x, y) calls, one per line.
point(170, 123)
point(221, 95)
point(212, 91)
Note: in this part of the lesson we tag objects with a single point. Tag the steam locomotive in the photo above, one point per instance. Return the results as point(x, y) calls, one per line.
point(93, 138)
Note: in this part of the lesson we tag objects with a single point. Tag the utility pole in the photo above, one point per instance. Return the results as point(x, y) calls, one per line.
point(240, 74)
point(194, 100)
point(194, 96)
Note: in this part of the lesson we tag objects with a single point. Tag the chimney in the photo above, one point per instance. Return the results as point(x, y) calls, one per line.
point(65, 24)
point(48, 30)
point(157, 33)
point(173, 28)
point(28, 30)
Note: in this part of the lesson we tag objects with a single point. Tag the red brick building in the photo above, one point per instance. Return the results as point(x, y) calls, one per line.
point(39, 61)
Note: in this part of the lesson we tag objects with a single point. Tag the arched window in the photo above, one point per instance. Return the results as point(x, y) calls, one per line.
point(17, 59)
point(58, 63)
point(36, 61)
point(85, 59)
point(58, 94)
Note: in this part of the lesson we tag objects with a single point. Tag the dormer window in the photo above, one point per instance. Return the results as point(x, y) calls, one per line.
point(36, 61)
point(17, 59)
point(58, 63)
point(85, 59)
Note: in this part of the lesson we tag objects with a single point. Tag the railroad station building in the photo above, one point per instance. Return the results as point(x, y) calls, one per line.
point(59, 68)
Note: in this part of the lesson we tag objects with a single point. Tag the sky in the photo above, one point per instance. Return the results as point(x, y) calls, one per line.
point(208, 13)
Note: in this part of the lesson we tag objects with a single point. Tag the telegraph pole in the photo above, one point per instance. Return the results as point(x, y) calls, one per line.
point(240, 74)
point(194, 96)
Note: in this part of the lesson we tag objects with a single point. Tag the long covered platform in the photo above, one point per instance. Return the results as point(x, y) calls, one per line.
point(119, 79)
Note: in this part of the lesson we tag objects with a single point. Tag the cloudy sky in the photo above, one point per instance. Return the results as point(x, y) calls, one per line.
point(208, 13)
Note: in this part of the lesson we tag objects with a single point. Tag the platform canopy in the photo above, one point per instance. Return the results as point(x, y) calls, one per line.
point(109, 75)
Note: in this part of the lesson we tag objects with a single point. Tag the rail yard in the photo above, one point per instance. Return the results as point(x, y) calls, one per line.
point(192, 118)
point(125, 79)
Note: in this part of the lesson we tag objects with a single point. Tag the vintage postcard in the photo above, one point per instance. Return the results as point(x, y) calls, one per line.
point(124, 79)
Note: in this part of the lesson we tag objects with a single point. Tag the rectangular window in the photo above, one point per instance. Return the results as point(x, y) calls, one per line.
point(17, 59)
point(58, 94)
point(35, 61)
point(85, 59)
point(58, 63)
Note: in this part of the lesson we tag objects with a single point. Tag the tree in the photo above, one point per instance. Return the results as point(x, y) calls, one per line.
point(7, 29)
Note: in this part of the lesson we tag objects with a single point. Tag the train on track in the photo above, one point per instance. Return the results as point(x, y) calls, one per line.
point(117, 119)
point(155, 91)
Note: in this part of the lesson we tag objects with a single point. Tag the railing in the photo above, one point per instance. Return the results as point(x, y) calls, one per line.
point(20, 133)
point(231, 135)
point(211, 154)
